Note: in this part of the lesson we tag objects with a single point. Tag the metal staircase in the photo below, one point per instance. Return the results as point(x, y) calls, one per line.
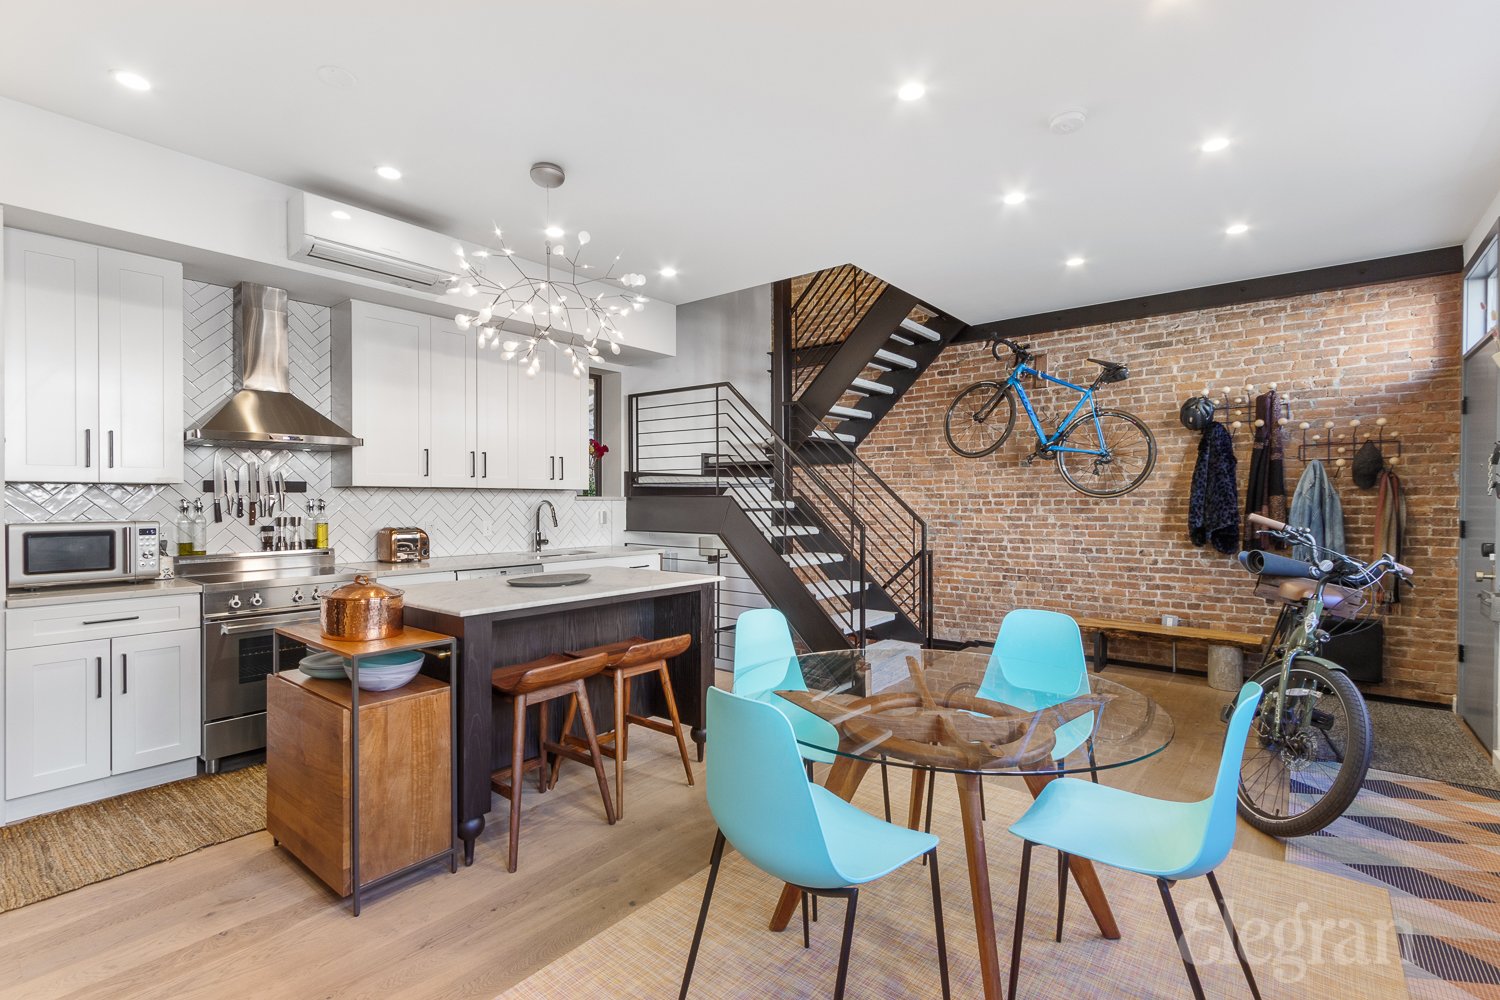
point(847, 346)
point(822, 536)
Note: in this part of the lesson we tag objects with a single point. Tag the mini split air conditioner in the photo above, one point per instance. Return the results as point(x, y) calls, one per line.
point(330, 234)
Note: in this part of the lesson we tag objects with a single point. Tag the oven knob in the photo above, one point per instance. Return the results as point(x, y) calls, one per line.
point(255, 600)
point(297, 597)
point(234, 602)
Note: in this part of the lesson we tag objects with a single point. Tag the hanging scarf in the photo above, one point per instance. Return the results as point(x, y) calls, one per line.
point(1390, 526)
point(1265, 493)
point(1214, 504)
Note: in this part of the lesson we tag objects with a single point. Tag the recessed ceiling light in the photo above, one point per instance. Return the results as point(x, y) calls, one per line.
point(1074, 261)
point(340, 214)
point(1014, 198)
point(131, 81)
point(668, 272)
point(912, 91)
point(554, 232)
point(337, 77)
point(389, 173)
point(1217, 144)
point(1237, 229)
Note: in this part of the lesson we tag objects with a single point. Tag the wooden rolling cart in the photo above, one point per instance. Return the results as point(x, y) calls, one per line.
point(329, 777)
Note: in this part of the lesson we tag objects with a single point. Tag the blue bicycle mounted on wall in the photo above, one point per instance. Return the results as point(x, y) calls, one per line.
point(1102, 453)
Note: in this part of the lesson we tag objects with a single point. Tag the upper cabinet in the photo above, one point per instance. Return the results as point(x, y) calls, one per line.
point(93, 363)
point(553, 454)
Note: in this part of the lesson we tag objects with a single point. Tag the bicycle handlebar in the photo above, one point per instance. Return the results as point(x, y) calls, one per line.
point(1270, 564)
point(1021, 352)
point(1340, 566)
point(1267, 522)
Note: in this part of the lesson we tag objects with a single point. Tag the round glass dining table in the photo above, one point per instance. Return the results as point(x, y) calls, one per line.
point(972, 715)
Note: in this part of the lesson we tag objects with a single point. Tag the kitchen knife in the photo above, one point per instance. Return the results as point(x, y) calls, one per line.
point(239, 495)
point(254, 490)
point(218, 480)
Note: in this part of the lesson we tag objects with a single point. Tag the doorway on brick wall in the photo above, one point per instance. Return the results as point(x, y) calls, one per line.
point(1477, 689)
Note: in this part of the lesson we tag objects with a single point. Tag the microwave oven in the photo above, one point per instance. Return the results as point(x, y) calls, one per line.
point(47, 554)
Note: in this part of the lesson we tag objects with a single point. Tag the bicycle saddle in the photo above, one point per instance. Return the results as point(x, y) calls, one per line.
point(1113, 371)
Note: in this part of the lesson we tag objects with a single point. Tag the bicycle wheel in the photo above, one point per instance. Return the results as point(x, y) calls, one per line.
point(1126, 453)
point(1297, 783)
point(980, 419)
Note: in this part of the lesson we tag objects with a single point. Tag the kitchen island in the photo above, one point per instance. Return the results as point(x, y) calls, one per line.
point(498, 624)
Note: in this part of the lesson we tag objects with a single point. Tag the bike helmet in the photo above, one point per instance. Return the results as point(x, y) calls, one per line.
point(1197, 413)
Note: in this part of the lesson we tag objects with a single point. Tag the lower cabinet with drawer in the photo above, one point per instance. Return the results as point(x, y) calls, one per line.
point(89, 719)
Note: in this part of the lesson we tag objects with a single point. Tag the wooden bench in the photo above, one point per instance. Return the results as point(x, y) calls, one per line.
point(1103, 628)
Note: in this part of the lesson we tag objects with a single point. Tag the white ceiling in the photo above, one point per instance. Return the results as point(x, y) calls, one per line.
point(748, 142)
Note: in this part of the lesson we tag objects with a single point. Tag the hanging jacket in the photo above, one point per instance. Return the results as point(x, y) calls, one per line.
point(1265, 492)
point(1316, 507)
point(1214, 503)
point(1390, 526)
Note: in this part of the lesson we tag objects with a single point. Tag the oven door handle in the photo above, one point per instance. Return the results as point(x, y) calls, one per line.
point(264, 625)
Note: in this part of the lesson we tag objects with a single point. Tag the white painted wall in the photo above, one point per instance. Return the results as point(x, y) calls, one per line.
point(726, 338)
point(79, 181)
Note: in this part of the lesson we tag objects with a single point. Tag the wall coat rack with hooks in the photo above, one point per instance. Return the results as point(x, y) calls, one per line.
point(1332, 445)
point(1235, 407)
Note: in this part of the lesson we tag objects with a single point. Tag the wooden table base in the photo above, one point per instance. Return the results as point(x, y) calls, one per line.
point(843, 781)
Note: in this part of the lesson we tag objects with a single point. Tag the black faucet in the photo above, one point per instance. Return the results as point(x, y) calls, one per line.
point(538, 539)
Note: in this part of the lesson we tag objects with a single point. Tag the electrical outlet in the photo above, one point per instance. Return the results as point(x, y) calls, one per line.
point(603, 514)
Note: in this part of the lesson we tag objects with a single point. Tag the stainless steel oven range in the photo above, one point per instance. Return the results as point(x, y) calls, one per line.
point(246, 596)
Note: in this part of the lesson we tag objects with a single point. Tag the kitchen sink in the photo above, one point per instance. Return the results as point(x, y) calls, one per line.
point(569, 552)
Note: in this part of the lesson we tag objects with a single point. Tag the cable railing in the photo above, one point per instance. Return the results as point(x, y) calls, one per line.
point(839, 526)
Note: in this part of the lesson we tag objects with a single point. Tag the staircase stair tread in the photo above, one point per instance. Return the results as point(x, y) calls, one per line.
point(912, 326)
point(869, 387)
point(893, 358)
point(826, 435)
point(903, 341)
point(849, 412)
point(849, 620)
point(812, 558)
point(825, 589)
point(788, 530)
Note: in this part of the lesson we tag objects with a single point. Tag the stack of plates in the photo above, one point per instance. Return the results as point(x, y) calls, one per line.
point(385, 672)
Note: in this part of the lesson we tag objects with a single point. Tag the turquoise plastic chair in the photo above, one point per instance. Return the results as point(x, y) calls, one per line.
point(1168, 841)
point(1038, 662)
point(765, 661)
point(795, 831)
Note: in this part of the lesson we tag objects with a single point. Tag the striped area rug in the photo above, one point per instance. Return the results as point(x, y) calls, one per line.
point(1435, 847)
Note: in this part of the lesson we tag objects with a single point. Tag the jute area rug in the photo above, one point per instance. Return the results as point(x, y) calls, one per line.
point(1309, 934)
point(50, 855)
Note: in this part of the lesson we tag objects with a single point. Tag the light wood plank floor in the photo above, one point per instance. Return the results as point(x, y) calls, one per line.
point(244, 919)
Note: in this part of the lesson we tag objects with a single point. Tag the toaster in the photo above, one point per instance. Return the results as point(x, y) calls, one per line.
point(400, 545)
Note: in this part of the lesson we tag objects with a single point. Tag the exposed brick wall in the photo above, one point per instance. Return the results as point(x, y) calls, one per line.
point(1007, 536)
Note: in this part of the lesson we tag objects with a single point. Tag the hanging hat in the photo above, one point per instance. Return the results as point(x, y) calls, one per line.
point(1197, 413)
point(1368, 462)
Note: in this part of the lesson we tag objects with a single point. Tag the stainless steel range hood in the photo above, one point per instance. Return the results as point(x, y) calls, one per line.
point(263, 412)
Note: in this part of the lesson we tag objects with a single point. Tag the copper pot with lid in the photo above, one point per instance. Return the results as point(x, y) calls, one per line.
point(362, 611)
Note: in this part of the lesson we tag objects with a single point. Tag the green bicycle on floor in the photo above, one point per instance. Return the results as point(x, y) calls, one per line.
point(1102, 453)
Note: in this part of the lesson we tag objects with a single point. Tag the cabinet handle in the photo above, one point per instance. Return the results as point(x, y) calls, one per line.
point(562, 463)
point(426, 462)
point(111, 449)
point(473, 466)
point(88, 450)
point(485, 459)
point(111, 621)
point(98, 677)
point(124, 673)
point(551, 466)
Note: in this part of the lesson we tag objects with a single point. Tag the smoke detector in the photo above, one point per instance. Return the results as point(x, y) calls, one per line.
point(1067, 122)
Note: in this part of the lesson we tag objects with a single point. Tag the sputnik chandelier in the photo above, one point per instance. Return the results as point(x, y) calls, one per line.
point(561, 314)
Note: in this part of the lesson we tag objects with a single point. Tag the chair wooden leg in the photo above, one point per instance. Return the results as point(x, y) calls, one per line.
point(708, 894)
point(806, 931)
point(622, 726)
point(666, 686)
point(937, 919)
point(517, 774)
point(838, 989)
point(542, 770)
point(1062, 890)
point(1015, 948)
point(587, 717)
point(567, 729)
point(1234, 936)
point(1182, 945)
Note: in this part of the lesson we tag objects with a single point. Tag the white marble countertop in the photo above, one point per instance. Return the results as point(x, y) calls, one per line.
point(43, 596)
point(498, 560)
point(467, 598)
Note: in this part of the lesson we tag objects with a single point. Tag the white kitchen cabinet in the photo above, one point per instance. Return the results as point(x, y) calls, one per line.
point(435, 410)
point(381, 361)
point(499, 438)
point(453, 416)
point(552, 453)
point(93, 373)
point(645, 560)
point(57, 716)
point(399, 580)
point(140, 368)
point(155, 713)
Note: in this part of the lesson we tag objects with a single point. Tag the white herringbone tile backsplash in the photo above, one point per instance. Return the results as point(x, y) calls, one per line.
point(461, 522)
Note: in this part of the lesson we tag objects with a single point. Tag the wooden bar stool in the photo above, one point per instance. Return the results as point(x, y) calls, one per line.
point(538, 683)
point(627, 660)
